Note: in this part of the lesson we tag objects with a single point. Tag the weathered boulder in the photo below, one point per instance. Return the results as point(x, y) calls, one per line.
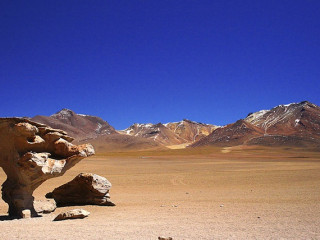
point(31, 153)
point(86, 188)
point(72, 214)
point(44, 206)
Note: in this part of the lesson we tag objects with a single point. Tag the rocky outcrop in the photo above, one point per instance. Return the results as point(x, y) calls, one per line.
point(31, 153)
point(72, 214)
point(86, 188)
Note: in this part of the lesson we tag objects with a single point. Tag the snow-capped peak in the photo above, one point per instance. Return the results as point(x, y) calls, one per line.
point(143, 125)
point(286, 105)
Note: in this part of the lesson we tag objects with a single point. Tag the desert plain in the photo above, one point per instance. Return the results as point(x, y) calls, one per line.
point(203, 193)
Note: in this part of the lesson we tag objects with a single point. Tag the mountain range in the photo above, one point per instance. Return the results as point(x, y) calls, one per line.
point(102, 135)
point(295, 124)
point(174, 133)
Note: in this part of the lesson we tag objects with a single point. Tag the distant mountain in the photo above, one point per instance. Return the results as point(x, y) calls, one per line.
point(157, 132)
point(291, 119)
point(191, 131)
point(174, 133)
point(79, 126)
point(295, 124)
point(233, 134)
point(86, 128)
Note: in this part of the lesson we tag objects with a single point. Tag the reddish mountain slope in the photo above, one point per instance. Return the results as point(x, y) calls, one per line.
point(78, 126)
point(157, 132)
point(296, 124)
point(191, 131)
point(174, 133)
point(233, 134)
point(299, 119)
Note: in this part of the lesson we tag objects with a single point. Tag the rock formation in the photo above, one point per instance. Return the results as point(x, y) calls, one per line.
point(86, 188)
point(72, 214)
point(31, 153)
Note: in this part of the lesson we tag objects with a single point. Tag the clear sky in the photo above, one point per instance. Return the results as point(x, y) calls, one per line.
point(158, 60)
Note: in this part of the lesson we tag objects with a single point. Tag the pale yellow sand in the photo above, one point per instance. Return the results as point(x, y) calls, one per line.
point(179, 146)
point(203, 196)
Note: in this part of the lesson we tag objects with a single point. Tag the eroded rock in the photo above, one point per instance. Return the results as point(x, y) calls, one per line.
point(72, 214)
point(86, 188)
point(31, 153)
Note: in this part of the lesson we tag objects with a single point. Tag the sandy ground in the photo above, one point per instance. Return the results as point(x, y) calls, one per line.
point(179, 146)
point(205, 196)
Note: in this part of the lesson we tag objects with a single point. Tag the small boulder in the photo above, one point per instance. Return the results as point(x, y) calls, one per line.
point(165, 238)
point(72, 214)
point(86, 188)
point(44, 206)
point(26, 213)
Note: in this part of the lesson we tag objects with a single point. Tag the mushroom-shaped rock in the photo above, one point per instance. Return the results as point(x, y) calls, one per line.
point(31, 153)
point(86, 188)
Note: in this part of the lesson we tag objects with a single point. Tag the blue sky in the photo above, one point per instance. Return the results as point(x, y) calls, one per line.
point(158, 61)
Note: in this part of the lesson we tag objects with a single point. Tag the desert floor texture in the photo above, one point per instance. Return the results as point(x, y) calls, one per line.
point(203, 194)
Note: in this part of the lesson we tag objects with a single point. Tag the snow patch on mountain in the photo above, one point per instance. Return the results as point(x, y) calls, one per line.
point(63, 114)
point(98, 129)
point(254, 116)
